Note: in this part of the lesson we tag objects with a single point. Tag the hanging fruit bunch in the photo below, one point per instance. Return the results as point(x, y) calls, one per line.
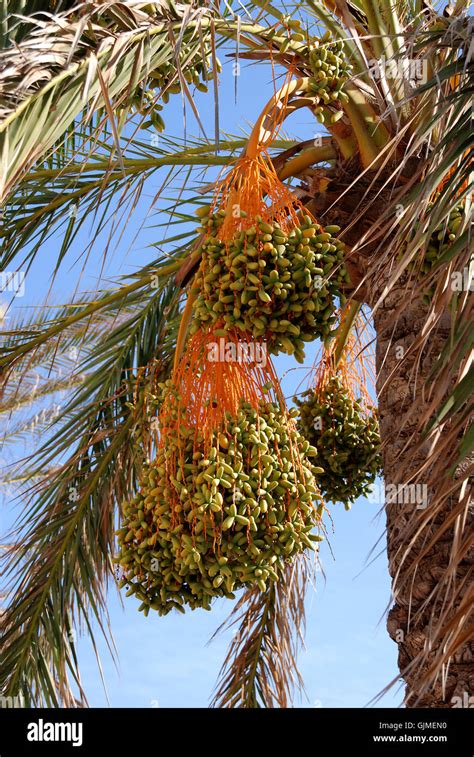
point(325, 61)
point(268, 268)
point(330, 71)
point(197, 74)
point(342, 426)
point(163, 83)
point(272, 283)
point(440, 242)
point(231, 495)
point(194, 66)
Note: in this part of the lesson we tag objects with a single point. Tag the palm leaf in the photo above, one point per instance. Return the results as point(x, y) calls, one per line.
point(59, 568)
point(260, 668)
point(43, 200)
point(92, 59)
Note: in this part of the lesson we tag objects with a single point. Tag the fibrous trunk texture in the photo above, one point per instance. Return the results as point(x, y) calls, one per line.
point(419, 585)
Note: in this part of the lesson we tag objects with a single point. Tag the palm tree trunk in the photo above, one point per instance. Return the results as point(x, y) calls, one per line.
point(403, 399)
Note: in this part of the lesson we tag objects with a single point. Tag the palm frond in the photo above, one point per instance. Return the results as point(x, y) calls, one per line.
point(260, 669)
point(61, 563)
point(15, 22)
point(61, 200)
point(78, 62)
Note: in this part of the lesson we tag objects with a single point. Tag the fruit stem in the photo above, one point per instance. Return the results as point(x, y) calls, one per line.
point(183, 327)
point(371, 133)
point(298, 164)
point(273, 114)
point(341, 336)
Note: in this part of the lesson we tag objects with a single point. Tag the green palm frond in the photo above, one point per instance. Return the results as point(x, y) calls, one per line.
point(60, 200)
point(96, 57)
point(103, 62)
point(260, 668)
point(60, 566)
point(14, 14)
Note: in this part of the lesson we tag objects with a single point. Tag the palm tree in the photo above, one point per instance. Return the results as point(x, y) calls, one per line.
point(392, 166)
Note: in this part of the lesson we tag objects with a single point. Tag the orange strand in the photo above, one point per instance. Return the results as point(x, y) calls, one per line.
point(251, 187)
point(215, 375)
point(356, 368)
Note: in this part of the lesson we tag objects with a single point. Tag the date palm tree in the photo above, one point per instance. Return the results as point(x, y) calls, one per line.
point(392, 164)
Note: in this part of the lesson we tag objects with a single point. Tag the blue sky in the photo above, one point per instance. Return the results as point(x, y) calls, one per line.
point(348, 657)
